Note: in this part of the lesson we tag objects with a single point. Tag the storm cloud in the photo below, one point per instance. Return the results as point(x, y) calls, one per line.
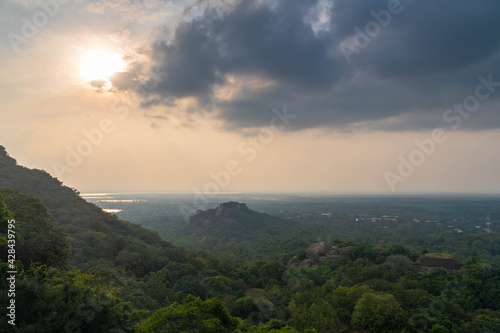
point(387, 65)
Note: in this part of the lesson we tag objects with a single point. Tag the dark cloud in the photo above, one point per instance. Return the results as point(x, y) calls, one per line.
point(189, 65)
point(426, 37)
point(97, 83)
point(277, 44)
point(425, 59)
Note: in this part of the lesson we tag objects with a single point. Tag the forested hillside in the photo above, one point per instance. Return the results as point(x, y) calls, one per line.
point(97, 239)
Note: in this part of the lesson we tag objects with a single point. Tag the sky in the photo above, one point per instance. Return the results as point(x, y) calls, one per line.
point(210, 96)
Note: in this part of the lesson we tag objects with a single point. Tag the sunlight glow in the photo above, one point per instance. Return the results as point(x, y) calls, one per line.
point(100, 65)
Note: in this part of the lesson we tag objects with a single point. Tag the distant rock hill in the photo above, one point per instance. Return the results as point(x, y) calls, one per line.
point(228, 213)
point(234, 220)
point(237, 231)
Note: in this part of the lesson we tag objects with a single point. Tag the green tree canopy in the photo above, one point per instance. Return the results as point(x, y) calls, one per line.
point(50, 300)
point(378, 313)
point(194, 315)
point(40, 241)
point(244, 306)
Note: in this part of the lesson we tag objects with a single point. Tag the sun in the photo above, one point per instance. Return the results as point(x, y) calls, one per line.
point(100, 65)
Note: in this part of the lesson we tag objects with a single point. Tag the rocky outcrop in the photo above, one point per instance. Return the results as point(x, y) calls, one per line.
point(306, 263)
point(317, 248)
point(334, 250)
point(319, 252)
point(329, 258)
point(229, 209)
point(429, 261)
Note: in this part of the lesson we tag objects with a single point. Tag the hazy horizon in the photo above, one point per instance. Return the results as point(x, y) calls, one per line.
point(296, 193)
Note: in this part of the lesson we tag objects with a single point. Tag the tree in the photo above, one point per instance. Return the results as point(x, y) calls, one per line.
point(49, 300)
point(344, 299)
point(400, 263)
point(319, 315)
point(378, 313)
point(40, 241)
point(437, 328)
point(244, 306)
point(287, 329)
point(481, 324)
point(272, 272)
point(194, 315)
